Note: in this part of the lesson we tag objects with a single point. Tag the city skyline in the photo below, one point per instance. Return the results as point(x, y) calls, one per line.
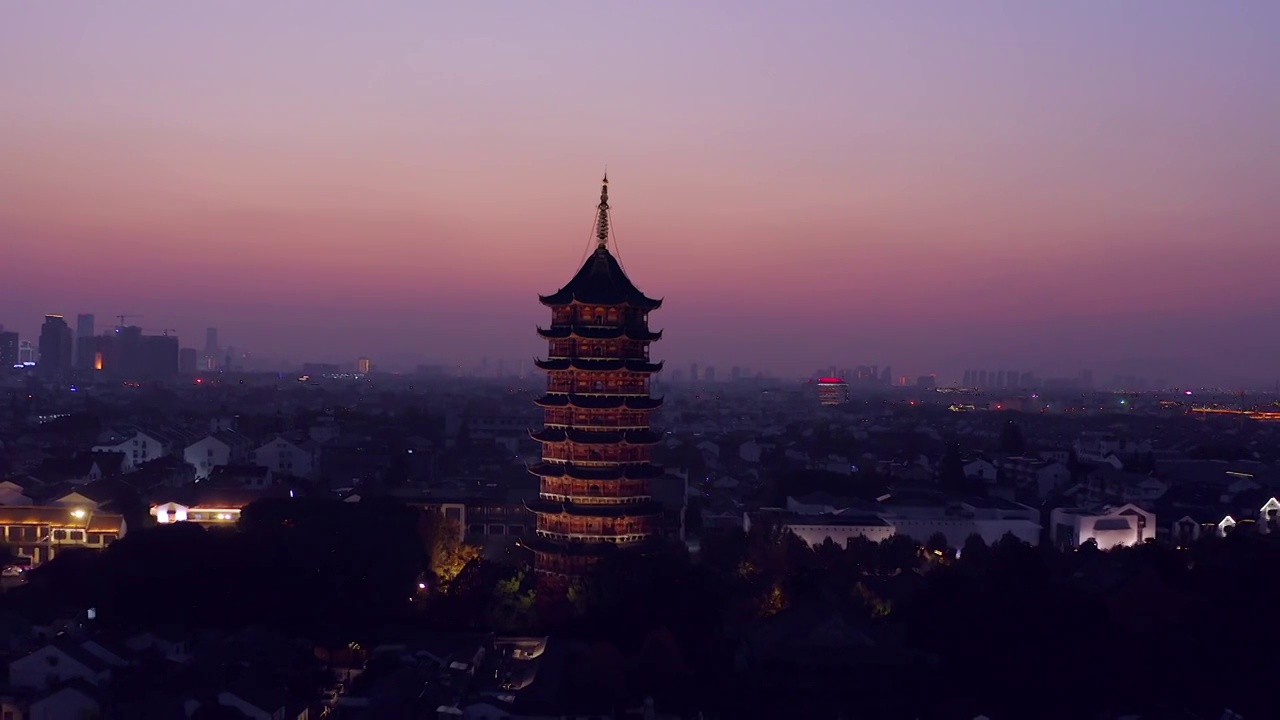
point(407, 181)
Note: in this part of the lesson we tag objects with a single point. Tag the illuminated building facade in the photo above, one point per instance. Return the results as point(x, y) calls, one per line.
point(596, 441)
point(832, 391)
point(39, 533)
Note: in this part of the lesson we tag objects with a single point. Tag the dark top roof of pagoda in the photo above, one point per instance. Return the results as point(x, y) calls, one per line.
point(601, 281)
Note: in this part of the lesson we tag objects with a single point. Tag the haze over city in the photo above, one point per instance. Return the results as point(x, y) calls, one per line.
point(1043, 186)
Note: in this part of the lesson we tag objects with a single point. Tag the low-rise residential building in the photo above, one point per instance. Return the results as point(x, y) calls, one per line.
point(1108, 525)
point(207, 506)
point(815, 518)
point(287, 457)
point(215, 450)
point(144, 445)
point(39, 532)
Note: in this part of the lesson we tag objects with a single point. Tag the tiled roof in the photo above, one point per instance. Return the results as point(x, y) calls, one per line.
point(601, 281)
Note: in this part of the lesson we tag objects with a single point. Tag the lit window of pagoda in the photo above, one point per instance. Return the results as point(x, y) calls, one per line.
point(596, 441)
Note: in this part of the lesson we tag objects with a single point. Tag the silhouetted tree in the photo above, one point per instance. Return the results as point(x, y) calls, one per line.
point(899, 553)
point(975, 554)
point(951, 470)
point(1011, 440)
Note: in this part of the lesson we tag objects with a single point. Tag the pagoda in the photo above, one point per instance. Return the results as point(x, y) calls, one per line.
point(596, 439)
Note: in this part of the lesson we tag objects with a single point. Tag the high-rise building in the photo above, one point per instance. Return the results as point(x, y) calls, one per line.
point(8, 349)
point(211, 358)
point(596, 442)
point(364, 365)
point(693, 373)
point(84, 329)
point(55, 345)
point(26, 352)
point(832, 391)
point(188, 361)
point(710, 374)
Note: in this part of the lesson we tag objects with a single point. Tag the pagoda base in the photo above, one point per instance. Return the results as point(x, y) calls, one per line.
point(573, 560)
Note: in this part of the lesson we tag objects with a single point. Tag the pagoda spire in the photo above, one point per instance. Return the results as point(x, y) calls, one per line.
point(602, 213)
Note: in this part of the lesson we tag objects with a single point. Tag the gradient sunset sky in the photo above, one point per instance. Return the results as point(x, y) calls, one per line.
point(1047, 186)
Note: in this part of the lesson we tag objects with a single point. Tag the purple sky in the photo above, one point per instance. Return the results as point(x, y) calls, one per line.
point(1038, 185)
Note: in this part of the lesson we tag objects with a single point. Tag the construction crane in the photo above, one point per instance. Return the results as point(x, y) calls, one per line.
point(125, 317)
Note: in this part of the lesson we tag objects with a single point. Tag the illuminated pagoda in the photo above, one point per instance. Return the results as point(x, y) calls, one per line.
point(596, 440)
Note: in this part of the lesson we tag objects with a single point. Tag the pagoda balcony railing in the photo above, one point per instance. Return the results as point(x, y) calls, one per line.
point(605, 317)
point(597, 499)
point(628, 490)
point(617, 538)
point(632, 420)
point(633, 350)
point(597, 527)
point(587, 387)
point(585, 455)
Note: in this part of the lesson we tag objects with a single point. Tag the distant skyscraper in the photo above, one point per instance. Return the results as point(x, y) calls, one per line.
point(832, 391)
point(982, 378)
point(55, 345)
point(968, 379)
point(84, 329)
point(364, 365)
point(1011, 377)
point(710, 374)
point(26, 352)
point(188, 361)
point(999, 379)
point(735, 373)
point(8, 350)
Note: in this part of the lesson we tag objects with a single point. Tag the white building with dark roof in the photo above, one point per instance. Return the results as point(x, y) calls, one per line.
point(1109, 526)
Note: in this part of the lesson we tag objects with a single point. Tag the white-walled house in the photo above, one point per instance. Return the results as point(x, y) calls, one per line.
point(221, 448)
point(286, 457)
point(1109, 526)
point(56, 663)
point(138, 448)
point(840, 529)
point(980, 469)
point(814, 519)
point(990, 518)
point(76, 699)
point(1051, 477)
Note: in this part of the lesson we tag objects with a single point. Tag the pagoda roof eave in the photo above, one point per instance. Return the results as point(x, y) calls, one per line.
point(601, 282)
point(587, 332)
point(598, 402)
point(591, 364)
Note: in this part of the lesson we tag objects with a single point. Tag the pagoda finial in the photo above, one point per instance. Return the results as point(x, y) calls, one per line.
point(602, 213)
